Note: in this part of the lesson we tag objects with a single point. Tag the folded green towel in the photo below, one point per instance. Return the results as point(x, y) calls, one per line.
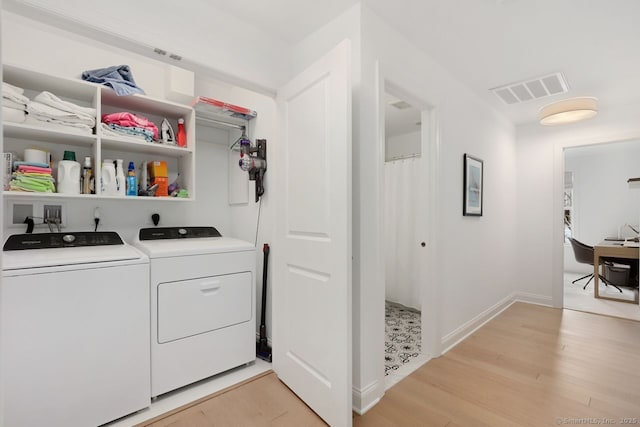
point(33, 184)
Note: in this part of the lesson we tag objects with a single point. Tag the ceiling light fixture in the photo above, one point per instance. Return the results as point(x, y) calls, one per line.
point(568, 111)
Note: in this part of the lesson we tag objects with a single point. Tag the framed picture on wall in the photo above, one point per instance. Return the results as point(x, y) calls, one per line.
point(473, 181)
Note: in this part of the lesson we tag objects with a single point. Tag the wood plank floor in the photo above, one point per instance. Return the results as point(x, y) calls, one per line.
point(260, 401)
point(530, 366)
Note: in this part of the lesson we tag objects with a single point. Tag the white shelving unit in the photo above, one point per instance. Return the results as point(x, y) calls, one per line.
point(17, 137)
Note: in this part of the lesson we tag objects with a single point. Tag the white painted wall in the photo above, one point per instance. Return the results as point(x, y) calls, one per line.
point(465, 124)
point(540, 166)
point(28, 43)
point(220, 41)
point(476, 254)
point(407, 144)
point(244, 218)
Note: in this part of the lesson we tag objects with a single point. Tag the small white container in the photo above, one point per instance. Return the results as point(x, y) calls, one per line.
point(68, 177)
point(33, 155)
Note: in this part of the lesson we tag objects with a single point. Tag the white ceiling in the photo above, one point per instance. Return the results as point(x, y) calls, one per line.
point(489, 43)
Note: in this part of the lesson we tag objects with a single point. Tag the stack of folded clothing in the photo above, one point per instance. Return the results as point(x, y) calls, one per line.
point(14, 103)
point(34, 177)
point(119, 78)
point(48, 110)
point(125, 124)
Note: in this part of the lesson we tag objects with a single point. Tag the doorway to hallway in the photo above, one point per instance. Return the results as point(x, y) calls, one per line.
point(402, 212)
point(601, 208)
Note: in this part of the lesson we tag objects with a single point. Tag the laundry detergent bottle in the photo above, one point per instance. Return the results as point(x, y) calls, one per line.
point(69, 174)
point(108, 183)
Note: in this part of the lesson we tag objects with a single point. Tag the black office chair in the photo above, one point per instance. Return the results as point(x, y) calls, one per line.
point(584, 255)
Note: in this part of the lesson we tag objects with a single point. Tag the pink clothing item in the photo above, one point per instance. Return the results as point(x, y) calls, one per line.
point(33, 169)
point(130, 120)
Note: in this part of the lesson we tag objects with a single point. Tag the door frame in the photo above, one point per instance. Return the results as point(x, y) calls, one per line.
point(557, 240)
point(430, 295)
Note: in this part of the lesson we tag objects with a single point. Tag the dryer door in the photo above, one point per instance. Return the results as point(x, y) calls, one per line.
point(196, 306)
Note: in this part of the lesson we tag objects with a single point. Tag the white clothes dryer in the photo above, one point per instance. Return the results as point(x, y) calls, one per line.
point(75, 329)
point(202, 304)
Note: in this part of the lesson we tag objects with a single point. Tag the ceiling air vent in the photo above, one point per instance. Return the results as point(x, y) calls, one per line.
point(535, 88)
point(400, 105)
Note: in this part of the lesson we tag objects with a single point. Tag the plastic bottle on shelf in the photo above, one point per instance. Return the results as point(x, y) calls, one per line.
point(88, 186)
point(182, 134)
point(120, 179)
point(69, 174)
point(108, 178)
point(132, 184)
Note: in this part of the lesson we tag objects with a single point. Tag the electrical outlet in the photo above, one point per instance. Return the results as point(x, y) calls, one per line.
point(52, 214)
point(41, 212)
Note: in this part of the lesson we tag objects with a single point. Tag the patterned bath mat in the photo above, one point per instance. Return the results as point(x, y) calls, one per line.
point(402, 336)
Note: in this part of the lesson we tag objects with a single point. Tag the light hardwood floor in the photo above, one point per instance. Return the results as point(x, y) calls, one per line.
point(259, 401)
point(530, 366)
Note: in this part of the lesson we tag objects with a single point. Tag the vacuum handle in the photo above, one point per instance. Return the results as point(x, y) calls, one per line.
point(265, 265)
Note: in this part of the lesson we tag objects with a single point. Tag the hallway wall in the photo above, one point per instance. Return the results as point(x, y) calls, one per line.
point(474, 269)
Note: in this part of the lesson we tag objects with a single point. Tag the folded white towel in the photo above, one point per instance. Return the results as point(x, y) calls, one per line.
point(59, 126)
point(13, 115)
point(46, 113)
point(13, 104)
point(6, 87)
point(107, 131)
point(47, 98)
point(14, 93)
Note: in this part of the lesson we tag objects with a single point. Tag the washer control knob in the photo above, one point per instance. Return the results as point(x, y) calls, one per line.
point(69, 238)
point(182, 231)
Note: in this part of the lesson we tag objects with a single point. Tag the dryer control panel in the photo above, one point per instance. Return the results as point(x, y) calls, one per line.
point(163, 233)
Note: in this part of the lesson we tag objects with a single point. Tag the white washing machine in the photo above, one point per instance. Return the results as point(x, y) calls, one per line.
point(75, 329)
point(202, 304)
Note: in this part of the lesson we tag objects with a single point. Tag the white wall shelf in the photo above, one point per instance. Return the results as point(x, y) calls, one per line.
point(25, 195)
point(38, 196)
point(17, 137)
point(144, 147)
point(41, 133)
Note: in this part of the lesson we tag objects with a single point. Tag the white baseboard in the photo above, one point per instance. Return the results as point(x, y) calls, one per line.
point(367, 397)
point(533, 298)
point(453, 338)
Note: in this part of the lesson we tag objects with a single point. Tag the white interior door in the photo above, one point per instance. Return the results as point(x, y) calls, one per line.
point(312, 247)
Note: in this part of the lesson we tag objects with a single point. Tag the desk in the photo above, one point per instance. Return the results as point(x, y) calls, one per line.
point(608, 250)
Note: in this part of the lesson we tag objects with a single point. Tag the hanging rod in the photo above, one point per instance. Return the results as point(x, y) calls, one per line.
point(220, 122)
point(406, 156)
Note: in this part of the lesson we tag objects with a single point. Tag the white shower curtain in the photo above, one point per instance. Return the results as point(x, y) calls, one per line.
point(401, 242)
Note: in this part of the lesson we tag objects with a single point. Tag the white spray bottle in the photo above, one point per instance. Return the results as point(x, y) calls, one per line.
point(120, 178)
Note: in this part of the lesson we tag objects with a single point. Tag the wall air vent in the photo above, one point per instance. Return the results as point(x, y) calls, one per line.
point(535, 88)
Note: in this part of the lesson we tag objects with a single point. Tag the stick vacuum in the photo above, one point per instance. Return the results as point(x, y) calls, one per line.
point(263, 351)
